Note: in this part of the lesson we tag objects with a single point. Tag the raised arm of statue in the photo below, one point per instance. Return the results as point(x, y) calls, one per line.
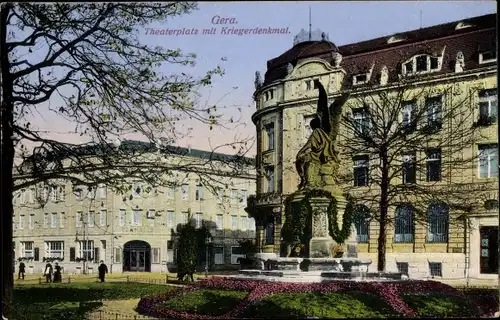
point(322, 109)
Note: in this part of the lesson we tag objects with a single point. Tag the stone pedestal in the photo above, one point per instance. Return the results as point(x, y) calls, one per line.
point(321, 243)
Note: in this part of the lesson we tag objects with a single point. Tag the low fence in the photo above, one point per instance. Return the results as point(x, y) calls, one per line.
point(105, 315)
point(167, 279)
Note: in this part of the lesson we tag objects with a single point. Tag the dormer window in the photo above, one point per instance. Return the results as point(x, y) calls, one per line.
point(308, 85)
point(267, 95)
point(395, 39)
point(487, 57)
point(271, 94)
point(360, 79)
point(462, 25)
point(421, 64)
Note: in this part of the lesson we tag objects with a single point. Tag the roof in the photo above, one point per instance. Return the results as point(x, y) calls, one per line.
point(480, 35)
point(141, 146)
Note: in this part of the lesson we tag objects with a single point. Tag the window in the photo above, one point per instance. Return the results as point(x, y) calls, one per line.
point(359, 79)
point(267, 95)
point(91, 193)
point(199, 192)
point(102, 218)
point(361, 121)
point(270, 136)
point(79, 219)
point(491, 204)
point(199, 219)
point(234, 195)
point(269, 231)
point(61, 194)
point(102, 191)
point(151, 213)
point(244, 223)
point(46, 220)
point(170, 218)
point(237, 252)
point(183, 218)
point(270, 179)
point(30, 221)
point(219, 222)
point(78, 193)
point(171, 192)
point(137, 217)
point(409, 169)
point(61, 219)
point(433, 164)
point(436, 269)
point(243, 196)
point(21, 222)
point(360, 169)
point(487, 57)
point(117, 255)
point(402, 268)
point(234, 223)
point(22, 196)
point(170, 251)
point(86, 250)
point(403, 224)
point(308, 85)
point(421, 63)
point(90, 219)
point(185, 192)
point(27, 249)
point(488, 106)
point(137, 189)
point(251, 223)
point(218, 255)
point(488, 161)
point(30, 197)
point(362, 223)
point(433, 107)
point(271, 94)
point(122, 217)
point(54, 249)
point(53, 220)
point(54, 193)
point(438, 223)
point(220, 194)
point(155, 253)
point(408, 108)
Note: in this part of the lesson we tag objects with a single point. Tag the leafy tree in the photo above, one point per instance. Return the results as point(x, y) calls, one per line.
point(187, 252)
point(248, 246)
point(85, 65)
point(393, 135)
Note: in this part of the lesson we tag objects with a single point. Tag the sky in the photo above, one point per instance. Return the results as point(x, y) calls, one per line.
point(345, 22)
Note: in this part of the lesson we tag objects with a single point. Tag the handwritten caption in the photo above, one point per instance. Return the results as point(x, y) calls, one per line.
point(220, 28)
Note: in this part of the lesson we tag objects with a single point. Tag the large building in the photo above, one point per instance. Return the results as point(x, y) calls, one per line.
point(78, 225)
point(461, 54)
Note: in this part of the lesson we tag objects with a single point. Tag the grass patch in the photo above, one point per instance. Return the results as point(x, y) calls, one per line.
point(73, 301)
point(331, 305)
point(440, 305)
point(205, 301)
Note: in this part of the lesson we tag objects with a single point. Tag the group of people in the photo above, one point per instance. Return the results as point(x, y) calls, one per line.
point(50, 275)
point(55, 276)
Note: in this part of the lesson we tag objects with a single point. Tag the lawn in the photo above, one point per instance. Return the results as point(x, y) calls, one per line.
point(228, 298)
point(207, 302)
point(73, 301)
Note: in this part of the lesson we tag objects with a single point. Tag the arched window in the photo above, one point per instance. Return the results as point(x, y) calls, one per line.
point(403, 224)
point(438, 223)
point(362, 223)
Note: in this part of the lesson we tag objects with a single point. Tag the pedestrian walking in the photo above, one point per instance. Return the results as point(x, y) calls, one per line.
point(21, 270)
point(103, 270)
point(48, 272)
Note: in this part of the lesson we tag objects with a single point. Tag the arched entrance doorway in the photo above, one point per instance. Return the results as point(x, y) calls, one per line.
point(137, 256)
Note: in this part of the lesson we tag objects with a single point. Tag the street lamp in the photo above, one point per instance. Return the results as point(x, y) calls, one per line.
point(208, 240)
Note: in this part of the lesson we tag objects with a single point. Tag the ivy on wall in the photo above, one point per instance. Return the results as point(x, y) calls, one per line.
point(298, 218)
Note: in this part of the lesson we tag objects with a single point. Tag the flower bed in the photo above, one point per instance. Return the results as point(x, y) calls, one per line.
point(391, 292)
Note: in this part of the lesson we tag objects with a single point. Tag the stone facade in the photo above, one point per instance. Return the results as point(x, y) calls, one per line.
point(293, 103)
point(115, 224)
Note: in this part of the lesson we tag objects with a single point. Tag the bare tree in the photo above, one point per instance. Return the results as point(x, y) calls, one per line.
point(412, 144)
point(85, 64)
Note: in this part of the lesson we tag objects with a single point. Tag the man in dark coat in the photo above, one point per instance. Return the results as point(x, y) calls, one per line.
point(21, 270)
point(103, 270)
point(48, 272)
